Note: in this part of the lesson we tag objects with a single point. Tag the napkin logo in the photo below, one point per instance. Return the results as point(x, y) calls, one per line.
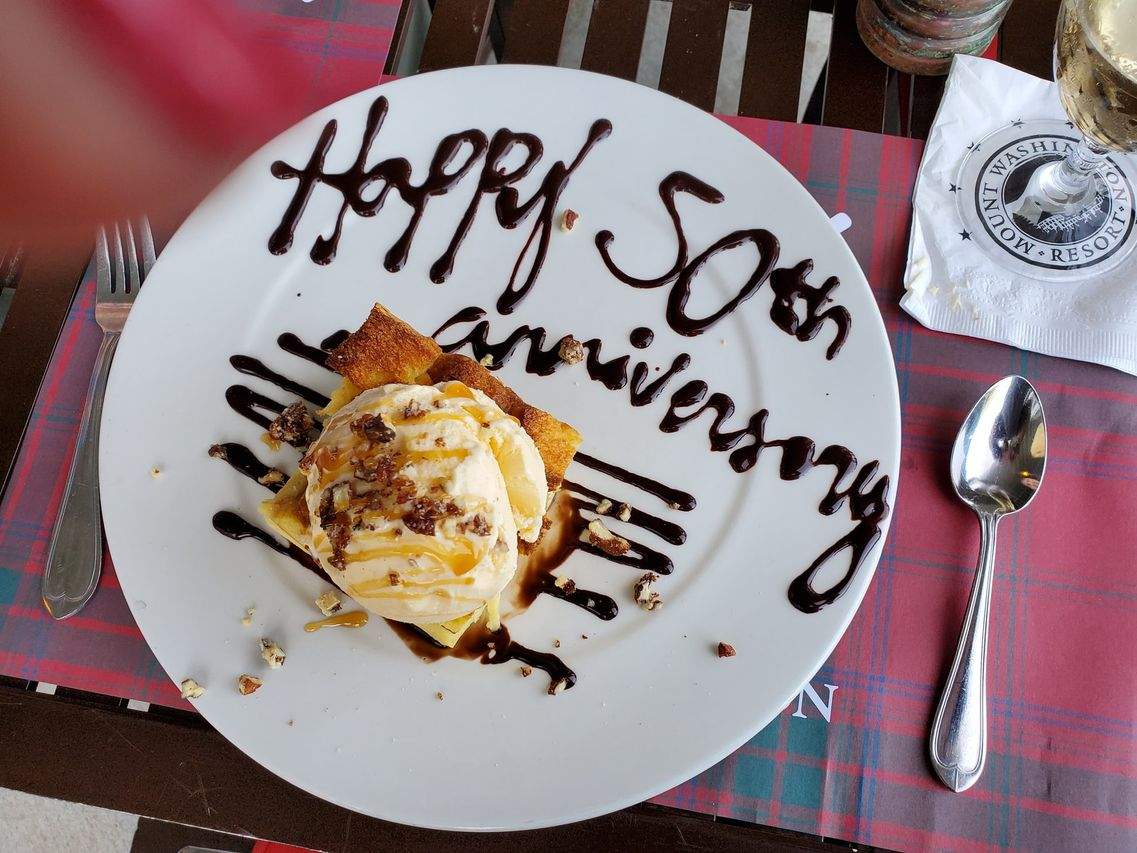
point(1005, 203)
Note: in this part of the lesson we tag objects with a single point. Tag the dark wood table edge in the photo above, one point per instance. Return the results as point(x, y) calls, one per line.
point(171, 765)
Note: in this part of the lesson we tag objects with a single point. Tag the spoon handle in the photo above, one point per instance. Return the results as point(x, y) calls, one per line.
point(958, 743)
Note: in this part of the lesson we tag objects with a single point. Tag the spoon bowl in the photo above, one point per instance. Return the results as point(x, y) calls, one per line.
point(999, 455)
point(997, 464)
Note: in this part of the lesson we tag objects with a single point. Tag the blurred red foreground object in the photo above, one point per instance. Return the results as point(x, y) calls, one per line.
point(113, 107)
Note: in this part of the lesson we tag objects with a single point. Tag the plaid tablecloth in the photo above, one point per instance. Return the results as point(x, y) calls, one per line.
point(848, 758)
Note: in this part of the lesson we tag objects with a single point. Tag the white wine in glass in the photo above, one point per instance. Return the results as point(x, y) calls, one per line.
point(1054, 204)
point(1097, 70)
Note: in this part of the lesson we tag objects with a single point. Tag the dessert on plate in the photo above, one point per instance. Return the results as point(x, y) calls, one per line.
point(428, 479)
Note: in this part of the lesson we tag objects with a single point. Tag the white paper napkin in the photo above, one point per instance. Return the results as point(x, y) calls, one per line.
point(953, 286)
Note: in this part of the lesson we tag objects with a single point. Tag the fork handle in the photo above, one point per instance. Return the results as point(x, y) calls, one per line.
point(76, 557)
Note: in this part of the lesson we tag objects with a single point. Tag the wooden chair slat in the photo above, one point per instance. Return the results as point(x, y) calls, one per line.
point(399, 36)
point(856, 81)
point(1025, 40)
point(693, 52)
point(770, 89)
point(926, 95)
point(457, 34)
point(615, 37)
point(533, 31)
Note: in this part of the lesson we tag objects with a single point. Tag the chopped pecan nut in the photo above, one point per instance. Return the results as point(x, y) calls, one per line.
point(571, 350)
point(339, 535)
point(374, 469)
point(558, 686)
point(526, 671)
point(373, 428)
point(426, 512)
point(191, 689)
point(272, 653)
point(329, 603)
point(624, 512)
point(569, 219)
point(335, 499)
point(271, 477)
point(404, 489)
point(293, 425)
point(335, 520)
point(476, 524)
point(646, 597)
point(566, 585)
point(606, 540)
point(393, 578)
point(604, 506)
point(412, 411)
point(247, 684)
point(726, 650)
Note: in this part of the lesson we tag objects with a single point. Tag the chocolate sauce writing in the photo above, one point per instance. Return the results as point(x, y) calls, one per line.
point(496, 178)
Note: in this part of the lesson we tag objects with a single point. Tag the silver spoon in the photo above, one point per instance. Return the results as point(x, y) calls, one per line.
point(997, 465)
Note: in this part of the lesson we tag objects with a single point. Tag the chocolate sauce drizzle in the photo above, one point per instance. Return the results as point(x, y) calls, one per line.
point(489, 647)
point(641, 394)
point(246, 402)
point(668, 531)
point(675, 498)
point(789, 285)
point(500, 648)
point(232, 526)
point(539, 360)
point(246, 462)
point(291, 343)
point(641, 337)
point(542, 361)
point(442, 176)
point(597, 603)
point(250, 366)
point(868, 500)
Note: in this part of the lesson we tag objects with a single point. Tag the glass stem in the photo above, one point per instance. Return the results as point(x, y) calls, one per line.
point(1069, 183)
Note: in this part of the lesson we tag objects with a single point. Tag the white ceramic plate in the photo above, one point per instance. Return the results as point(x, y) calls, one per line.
point(353, 716)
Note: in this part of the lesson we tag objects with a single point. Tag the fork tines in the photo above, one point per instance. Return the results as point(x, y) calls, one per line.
point(119, 273)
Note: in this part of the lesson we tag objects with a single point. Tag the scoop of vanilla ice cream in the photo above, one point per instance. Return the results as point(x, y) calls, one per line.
point(417, 495)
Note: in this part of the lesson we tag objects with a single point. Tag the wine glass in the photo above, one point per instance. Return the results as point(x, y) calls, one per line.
point(1047, 199)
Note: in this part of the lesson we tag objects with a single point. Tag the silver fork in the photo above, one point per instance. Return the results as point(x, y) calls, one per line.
point(76, 557)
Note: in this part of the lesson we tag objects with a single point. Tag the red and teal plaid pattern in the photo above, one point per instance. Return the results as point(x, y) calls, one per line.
point(339, 45)
point(847, 759)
